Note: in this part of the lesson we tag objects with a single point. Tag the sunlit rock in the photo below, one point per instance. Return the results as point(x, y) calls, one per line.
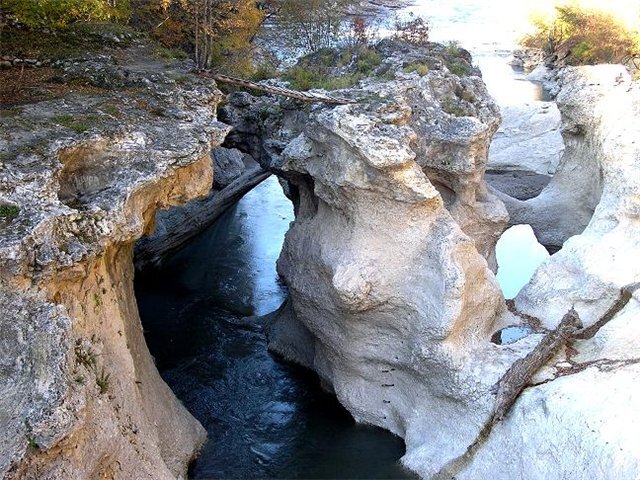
point(581, 420)
point(390, 300)
point(528, 139)
point(80, 396)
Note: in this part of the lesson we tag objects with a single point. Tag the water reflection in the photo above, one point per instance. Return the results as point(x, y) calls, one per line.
point(265, 418)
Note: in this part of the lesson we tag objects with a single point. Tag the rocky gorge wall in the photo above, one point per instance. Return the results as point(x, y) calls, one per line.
point(80, 396)
point(391, 296)
point(580, 419)
point(389, 265)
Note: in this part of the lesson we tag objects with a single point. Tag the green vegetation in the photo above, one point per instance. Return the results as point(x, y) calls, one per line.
point(453, 48)
point(368, 59)
point(450, 106)
point(31, 441)
point(216, 33)
point(61, 13)
point(102, 380)
point(9, 211)
point(69, 121)
point(68, 42)
point(333, 69)
point(172, 53)
point(421, 68)
point(303, 78)
point(458, 68)
point(85, 357)
point(112, 109)
point(262, 72)
point(582, 37)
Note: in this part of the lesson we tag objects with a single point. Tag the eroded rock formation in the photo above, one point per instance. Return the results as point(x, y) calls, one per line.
point(80, 396)
point(174, 227)
point(393, 305)
point(390, 300)
point(565, 207)
point(581, 419)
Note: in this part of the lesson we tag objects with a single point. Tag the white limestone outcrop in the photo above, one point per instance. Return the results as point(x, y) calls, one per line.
point(528, 139)
point(392, 304)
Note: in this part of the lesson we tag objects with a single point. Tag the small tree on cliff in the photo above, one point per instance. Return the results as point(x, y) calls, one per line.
point(216, 32)
point(581, 36)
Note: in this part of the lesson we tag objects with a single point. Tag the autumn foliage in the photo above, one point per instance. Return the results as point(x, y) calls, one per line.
point(581, 36)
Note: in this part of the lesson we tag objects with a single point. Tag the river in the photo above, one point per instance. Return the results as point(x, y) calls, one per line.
point(266, 418)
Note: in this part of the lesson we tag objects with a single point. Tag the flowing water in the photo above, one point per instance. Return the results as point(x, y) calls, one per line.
point(266, 418)
point(490, 30)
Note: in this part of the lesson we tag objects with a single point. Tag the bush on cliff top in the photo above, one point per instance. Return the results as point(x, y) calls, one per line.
point(581, 36)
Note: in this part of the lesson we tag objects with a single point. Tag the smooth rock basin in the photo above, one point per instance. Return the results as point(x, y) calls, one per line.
point(265, 418)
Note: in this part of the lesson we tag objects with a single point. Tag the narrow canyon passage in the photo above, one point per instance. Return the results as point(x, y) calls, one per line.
point(265, 418)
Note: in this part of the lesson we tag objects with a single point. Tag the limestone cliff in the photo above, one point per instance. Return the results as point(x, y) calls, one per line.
point(391, 298)
point(81, 178)
point(581, 420)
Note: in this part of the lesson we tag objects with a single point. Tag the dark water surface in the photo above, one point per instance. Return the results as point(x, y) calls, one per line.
point(265, 418)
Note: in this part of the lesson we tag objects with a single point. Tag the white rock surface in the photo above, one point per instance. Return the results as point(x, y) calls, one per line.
point(528, 139)
point(390, 300)
point(601, 174)
point(565, 207)
point(584, 424)
point(393, 306)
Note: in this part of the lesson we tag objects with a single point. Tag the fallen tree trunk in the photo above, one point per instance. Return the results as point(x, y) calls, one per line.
point(518, 376)
point(173, 232)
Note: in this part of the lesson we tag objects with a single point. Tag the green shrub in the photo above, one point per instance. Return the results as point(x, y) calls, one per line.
point(263, 72)
point(306, 78)
point(450, 106)
point(9, 211)
point(368, 59)
point(418, 67)
point(333, 69)
point(69, 121)
point(585, 36)
point(458, 69)
point(61, 13)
